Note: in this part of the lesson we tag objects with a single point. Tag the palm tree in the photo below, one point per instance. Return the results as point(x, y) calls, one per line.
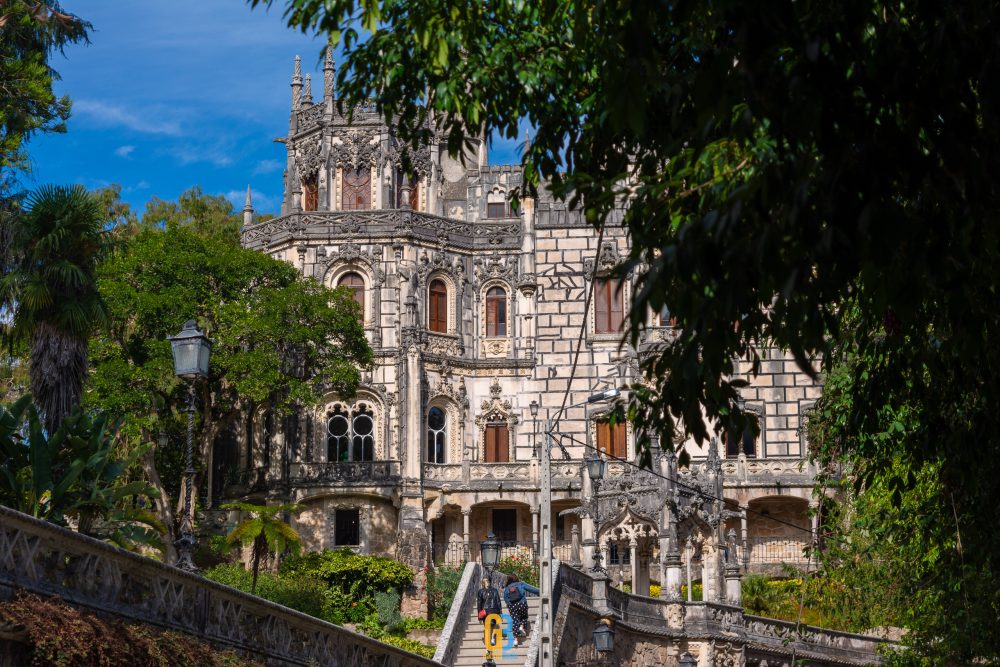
point(264, 532)
point(50, 292)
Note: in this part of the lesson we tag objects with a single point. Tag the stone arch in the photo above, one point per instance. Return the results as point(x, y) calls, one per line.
point(453, 414)
point(452, 300)
point(496, 409)
point(365, 400)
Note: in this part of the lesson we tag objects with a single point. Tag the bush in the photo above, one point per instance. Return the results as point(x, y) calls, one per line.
point(441, 586)
point(63, 636)
point(296, 591)
point(387, 609)
point(417, 623)
point(522, 565)
point(410, 645)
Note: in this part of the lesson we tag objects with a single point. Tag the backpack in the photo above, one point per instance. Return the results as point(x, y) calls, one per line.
point(513, 594)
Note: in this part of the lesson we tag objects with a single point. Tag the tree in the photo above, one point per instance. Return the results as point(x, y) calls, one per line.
point(30, 30)
point(280, 341)
point(50, 285)
point(73, 475)
point(787, 166)
point(263, 532)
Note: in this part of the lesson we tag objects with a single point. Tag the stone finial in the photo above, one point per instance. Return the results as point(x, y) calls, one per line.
point(527, 142)
point(297, 84)
point(307, 92)
point(248, 209)
point(329, 70)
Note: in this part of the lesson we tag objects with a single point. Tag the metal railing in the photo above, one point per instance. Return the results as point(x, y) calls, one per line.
point(776, 550)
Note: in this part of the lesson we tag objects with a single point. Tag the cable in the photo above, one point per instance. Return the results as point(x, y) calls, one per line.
point(680, 483)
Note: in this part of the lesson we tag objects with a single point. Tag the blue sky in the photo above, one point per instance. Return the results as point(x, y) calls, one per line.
point(176, 93)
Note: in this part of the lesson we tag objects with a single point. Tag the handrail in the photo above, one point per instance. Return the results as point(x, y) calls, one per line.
point(46, 559)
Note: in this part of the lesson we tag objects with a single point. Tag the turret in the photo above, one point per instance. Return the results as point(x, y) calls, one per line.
point(328, 75)
point(296, 95)
point(307, 94)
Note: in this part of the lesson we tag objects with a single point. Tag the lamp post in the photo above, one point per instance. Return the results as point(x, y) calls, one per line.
point(191, 350)
point(545, 652)
point(596, 466)
point(489, 551)
point(687, 660)
point(604, 637)
point(533, 407)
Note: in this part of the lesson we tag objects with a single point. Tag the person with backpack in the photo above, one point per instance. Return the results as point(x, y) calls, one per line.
point(515, 594)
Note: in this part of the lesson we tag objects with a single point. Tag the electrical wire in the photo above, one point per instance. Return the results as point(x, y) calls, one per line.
point(678, 482)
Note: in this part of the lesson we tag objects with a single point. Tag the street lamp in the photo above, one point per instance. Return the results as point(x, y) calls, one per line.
point(595, 469)
point(489, 550)
point(533, 407)
point(191, 349)
point(604, 636)
point(687, 660)
point(545, 612)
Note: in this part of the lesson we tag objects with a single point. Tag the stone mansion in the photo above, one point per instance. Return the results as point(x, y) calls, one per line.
point(473, 309)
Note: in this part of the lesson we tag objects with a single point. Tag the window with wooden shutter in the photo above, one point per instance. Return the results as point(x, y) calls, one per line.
point(356, 193)
point(496, 210)
point(437, 307)
point(737, 444)
point(609, 307)
point(310, 193)
point(496, 312)
point(611, 439)
point(356, 284)
point(496, 446)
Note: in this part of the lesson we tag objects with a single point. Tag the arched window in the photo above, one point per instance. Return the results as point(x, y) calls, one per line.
point(611, 439)
point(496, 312)
point(609, 310)
point(350, 436)
point(496, 448)
point(357, 189)
point(437, 311)
point(310, 193)
point(740, 443)
point(437, 435)
point(356, 284)
point(666, 318)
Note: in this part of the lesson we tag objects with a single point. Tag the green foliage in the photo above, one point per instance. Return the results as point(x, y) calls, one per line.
point(29, 32)
point(264, 531)
point(442, 582)
point(299, 592)
point(387, 609)
point(75, 475)
point(522, 565)
point(50, 285)
point(410, 645)
point(64, 636)
point(417, 623)
point(360, 575)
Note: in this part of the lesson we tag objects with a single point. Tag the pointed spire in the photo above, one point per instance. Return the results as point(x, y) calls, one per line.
point(307, 93)
point(527, 142)
point(297, 84)
point(248, 209)
point(329, 70)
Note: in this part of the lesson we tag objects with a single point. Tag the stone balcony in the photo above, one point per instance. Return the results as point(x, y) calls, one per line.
point(515, 475)
point(346, 473)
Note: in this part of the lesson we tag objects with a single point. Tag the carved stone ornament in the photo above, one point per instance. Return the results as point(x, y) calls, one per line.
point(440, 261)
point(495, 267)
point(607, 259)
point(357, 148)
point(309, 156)
point(369, 259)
point(420, 160)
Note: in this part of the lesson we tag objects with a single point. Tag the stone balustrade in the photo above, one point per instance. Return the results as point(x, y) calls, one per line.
point(520, 475)
point(345, 473)
point(45, 559)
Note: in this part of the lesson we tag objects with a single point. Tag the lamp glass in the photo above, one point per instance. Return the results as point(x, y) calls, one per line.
point(604, 638)
point(191, 350)
point(489, 549)
point(595, 467)
point(533, 406)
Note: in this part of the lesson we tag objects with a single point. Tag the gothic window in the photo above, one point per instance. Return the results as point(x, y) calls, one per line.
point(350, 434)
point(743, 443)
point(267, 437)
point(496, 448)
point(665, 319)
point(357, 191)
point(496, 209)
point(356, 284)
point(345, 528)
point(619, 556)
point(611, 439)
point(496, 312)
point(609, 310)
point(310, 193)
point(437, 311)
point(437, 435)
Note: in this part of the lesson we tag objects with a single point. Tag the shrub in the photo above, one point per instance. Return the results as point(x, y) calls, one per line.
point(348, 571)
point(63, 636)
point(410, 645)
point(295, 591)
point(522, 565)
point(654, 590)
point(387, 608)
point(441, 586)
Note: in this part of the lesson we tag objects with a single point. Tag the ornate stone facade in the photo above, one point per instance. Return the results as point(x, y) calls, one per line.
point(474, 309)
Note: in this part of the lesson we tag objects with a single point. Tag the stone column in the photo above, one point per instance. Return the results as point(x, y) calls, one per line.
point(575, 552)
point(814, 524)
point(743, 537)
point(634, 577)
point(465, 533)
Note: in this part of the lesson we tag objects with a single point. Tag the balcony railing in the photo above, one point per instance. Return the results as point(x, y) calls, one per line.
point(345, 472)
point(513, 473)
point(777, 550)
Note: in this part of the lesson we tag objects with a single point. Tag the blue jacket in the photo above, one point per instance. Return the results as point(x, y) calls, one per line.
point(521, 586)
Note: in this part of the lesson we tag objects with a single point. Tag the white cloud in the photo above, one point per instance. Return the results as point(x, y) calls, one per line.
point(124, 151)
point(188, 154)
point(111, 115)
point(267, 167)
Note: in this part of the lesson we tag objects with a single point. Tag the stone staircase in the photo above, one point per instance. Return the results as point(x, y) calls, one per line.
point(471, 653)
